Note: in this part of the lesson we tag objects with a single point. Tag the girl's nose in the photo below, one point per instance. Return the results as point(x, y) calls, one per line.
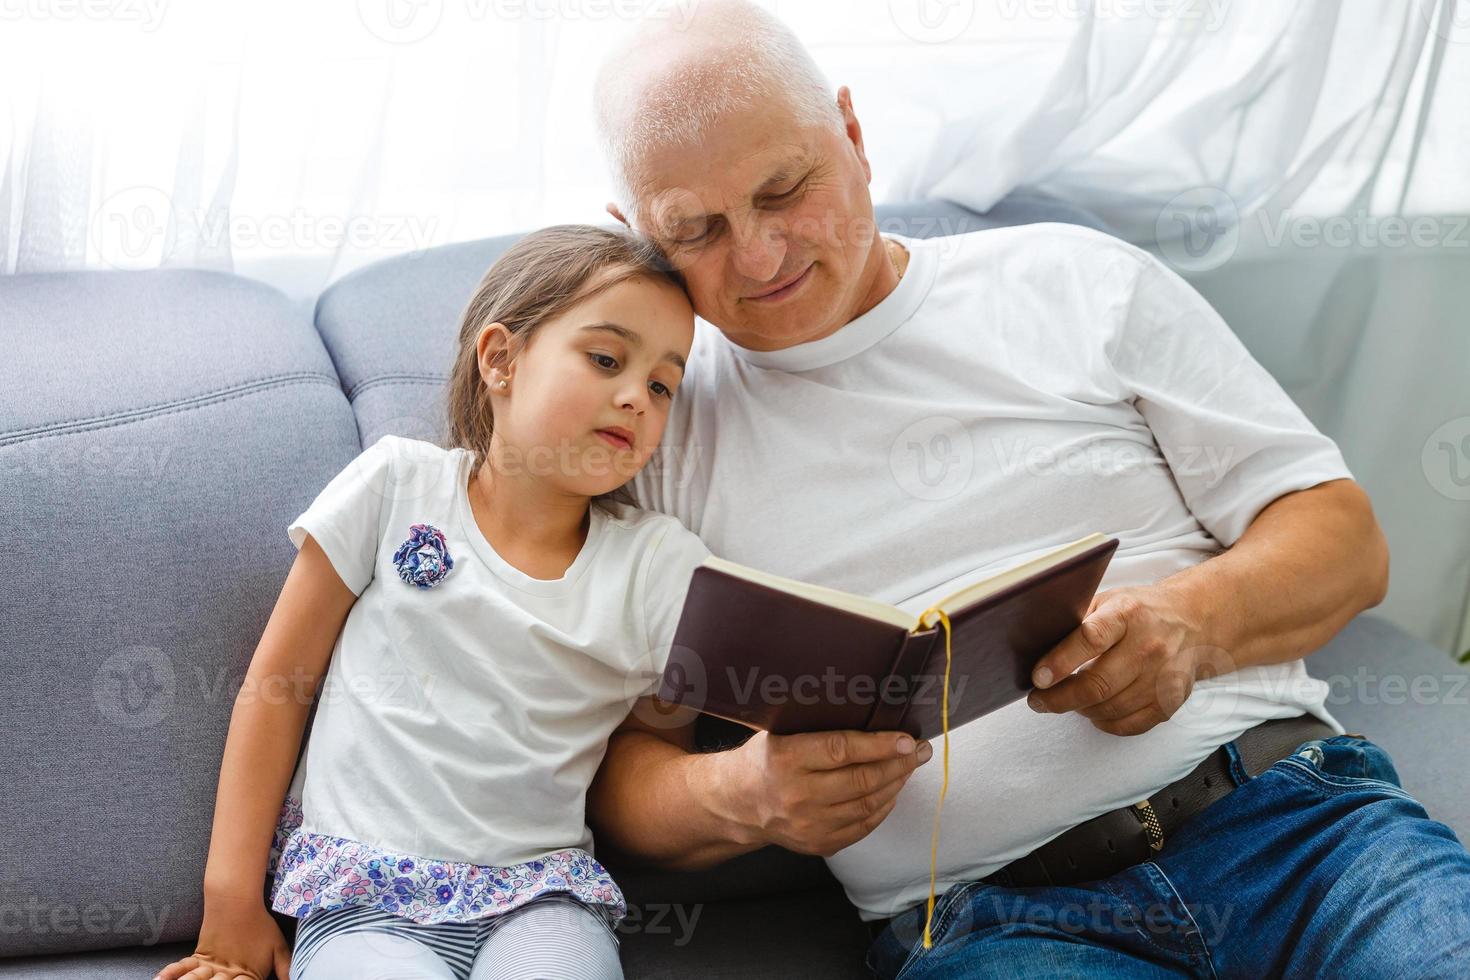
point(633, 399)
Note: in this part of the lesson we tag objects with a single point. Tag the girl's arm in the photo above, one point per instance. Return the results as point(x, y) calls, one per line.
point(239, 937)
point(269, 718)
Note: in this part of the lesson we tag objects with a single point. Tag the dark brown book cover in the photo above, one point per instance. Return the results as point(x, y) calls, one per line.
point(785, 663)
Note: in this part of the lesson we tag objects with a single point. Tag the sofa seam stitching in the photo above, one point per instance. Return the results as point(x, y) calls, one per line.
point(95, 423)
point(394, 379)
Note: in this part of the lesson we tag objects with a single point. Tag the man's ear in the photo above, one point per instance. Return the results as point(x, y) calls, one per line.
point(492, 351)
point(853, 128)
point(612, 209)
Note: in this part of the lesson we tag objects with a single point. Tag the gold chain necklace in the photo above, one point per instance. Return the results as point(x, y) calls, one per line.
point(892, 258)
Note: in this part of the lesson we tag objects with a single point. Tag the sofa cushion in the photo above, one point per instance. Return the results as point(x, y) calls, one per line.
point(160, 430)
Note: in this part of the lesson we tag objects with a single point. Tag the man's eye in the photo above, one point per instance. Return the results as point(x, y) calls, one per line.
point(689, 237)
point(606, 361)
point(786, 197)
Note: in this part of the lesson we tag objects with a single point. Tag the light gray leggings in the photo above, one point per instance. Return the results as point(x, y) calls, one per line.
point(552, 938)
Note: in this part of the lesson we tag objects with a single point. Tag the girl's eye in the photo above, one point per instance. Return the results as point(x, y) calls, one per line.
point(606, 361)
point(661, 389)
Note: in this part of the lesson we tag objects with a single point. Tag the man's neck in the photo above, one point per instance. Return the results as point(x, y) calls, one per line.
point(891, 260)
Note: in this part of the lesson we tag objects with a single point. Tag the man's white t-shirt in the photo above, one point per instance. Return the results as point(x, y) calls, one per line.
point(1019, 389)
point(463, 722)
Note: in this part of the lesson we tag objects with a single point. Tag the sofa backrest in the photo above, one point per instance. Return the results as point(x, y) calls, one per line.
point(159, 431)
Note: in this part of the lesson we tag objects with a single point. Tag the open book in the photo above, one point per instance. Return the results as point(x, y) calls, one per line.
point(786, 656)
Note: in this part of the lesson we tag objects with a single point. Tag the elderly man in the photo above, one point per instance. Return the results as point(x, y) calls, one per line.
point(893, 416)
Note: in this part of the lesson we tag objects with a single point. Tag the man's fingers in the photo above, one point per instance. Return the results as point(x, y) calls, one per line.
point(854, 811)
point(856, 831)
point(1134, 724)
point(1101, 630)
point(1108, 677)
point(854, 782)
point(1167, 690)
point(1135, 697)
point(834, 750)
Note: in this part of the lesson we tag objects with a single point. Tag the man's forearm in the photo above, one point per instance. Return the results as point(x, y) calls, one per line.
point(659, 804)
point(1308, 563)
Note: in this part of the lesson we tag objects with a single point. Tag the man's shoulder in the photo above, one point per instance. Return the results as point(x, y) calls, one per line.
point(1046, 241)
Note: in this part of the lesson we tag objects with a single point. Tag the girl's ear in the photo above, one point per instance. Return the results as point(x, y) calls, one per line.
point(492, 349)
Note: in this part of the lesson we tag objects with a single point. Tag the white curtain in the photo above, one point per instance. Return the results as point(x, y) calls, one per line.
point(1264, 147)
point(1307, 166)
point(295, 142)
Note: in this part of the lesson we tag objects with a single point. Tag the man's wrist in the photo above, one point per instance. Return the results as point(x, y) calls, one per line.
point(728, 796)
point(1205, 603)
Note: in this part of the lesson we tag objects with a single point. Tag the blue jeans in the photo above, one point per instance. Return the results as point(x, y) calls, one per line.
point(1321, 866)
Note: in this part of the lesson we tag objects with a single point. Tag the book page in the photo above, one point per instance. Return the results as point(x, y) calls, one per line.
point(969, 588)
point(973, 593)
point(846, 601)
point(906, 615)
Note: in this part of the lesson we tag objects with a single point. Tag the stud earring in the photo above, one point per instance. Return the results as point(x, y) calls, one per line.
point(503, 383)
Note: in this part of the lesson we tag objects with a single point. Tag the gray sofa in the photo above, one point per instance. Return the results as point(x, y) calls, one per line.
point(157, 432)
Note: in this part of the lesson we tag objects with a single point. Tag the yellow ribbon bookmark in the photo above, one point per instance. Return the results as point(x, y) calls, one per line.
point(944, 786)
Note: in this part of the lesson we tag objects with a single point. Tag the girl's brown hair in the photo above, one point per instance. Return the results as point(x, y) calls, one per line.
point(539, 277)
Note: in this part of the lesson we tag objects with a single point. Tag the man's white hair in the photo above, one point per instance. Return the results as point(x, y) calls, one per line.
point(668, 83)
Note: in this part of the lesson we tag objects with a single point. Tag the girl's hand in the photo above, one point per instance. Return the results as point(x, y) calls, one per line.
point(238, 941)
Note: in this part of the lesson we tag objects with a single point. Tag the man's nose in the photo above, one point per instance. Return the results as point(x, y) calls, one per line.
point(759, 247)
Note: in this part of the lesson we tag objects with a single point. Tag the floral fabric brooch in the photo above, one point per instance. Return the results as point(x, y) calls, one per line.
point(423, 560)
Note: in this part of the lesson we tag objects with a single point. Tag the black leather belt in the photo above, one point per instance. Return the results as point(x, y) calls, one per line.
point(1109, 843)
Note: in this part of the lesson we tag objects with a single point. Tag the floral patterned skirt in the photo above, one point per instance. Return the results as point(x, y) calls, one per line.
point(314, 872)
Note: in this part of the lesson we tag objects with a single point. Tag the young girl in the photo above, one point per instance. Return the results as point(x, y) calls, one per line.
point(480, 618)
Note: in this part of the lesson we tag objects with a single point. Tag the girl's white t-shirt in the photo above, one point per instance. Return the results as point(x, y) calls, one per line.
point(464, 722)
